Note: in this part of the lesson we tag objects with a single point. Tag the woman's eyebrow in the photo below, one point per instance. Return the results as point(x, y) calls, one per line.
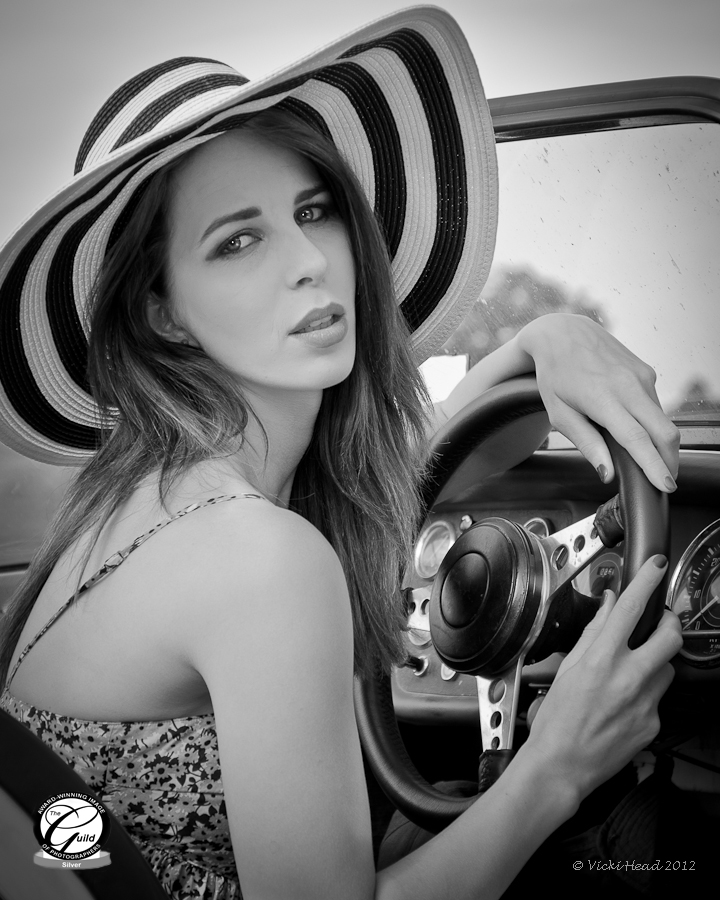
point(251, 212)
point(310, 192)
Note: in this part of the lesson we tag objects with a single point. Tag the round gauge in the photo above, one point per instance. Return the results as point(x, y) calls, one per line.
point(694, 596)
point(540, 526)
point(432, 545)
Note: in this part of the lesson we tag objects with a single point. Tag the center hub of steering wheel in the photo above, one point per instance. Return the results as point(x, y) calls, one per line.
point(486, 598)
point(464, 589)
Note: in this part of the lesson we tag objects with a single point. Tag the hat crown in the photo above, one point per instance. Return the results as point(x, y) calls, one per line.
point(150, 98)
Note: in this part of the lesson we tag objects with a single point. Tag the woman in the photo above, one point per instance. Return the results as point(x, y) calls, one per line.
point(252, 388)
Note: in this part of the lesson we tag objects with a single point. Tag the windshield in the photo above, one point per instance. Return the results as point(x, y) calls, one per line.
point(622, 226)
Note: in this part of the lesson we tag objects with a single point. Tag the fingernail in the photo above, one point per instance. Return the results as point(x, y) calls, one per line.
point(606, 597)
point(660, 561)
point(603, 473)
point(670, 483)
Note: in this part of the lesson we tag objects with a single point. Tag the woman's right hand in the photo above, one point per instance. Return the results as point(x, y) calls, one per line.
point(602, 707)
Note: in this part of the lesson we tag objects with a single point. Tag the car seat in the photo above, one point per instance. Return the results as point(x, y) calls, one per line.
point(30, 773)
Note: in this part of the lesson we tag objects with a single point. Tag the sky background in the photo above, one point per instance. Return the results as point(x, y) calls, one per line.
point(60, 59)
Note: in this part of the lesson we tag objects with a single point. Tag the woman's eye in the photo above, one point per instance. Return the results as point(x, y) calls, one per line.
point(235, 244)
point(310, 214)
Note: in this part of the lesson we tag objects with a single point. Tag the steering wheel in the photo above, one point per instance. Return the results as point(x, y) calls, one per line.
point(502, 596)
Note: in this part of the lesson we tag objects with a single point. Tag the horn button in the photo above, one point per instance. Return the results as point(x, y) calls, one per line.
point(486, 598)
point(464, 589)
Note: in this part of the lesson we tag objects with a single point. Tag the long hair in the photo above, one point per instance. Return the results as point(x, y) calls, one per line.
point(358, 481)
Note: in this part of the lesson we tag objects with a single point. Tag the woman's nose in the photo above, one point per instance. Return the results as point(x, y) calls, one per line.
point(306, 262)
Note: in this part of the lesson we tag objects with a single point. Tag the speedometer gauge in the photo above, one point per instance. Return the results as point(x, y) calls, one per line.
point(694, 596)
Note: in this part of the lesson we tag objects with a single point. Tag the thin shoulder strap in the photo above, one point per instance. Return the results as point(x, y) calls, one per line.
point(118, 559)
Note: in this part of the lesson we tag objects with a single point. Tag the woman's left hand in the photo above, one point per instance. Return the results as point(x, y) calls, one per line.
point(586, 376)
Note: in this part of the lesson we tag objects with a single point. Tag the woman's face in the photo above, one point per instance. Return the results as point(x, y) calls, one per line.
point(261, 273)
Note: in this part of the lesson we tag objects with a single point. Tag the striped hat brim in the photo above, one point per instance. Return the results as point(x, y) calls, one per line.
point(401, 99)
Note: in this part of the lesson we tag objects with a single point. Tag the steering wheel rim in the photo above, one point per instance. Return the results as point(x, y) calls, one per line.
point(645, 513)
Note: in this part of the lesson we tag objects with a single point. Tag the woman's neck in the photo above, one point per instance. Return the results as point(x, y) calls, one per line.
point(274, 442)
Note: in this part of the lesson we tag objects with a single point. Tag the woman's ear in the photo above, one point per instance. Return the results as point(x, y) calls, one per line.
point(162, 323)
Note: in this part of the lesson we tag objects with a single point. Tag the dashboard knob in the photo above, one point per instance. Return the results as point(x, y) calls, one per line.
point(418, 664)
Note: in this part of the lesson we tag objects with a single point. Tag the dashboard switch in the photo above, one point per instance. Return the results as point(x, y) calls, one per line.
point(418, 664)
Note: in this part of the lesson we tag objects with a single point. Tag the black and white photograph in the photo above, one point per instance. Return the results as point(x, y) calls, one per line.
point(359, 449)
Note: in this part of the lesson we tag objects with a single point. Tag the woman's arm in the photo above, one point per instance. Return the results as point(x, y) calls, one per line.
point(273, 641)
point(585, 376)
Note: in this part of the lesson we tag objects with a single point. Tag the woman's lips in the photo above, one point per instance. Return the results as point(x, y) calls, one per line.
point(318, 318)
point(317, 323)
point(324, 332)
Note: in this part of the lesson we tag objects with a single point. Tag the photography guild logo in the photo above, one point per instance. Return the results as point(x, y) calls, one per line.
point(71, 829)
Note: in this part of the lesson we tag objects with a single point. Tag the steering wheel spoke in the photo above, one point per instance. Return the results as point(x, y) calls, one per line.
point(498, 702)
point(566, 553)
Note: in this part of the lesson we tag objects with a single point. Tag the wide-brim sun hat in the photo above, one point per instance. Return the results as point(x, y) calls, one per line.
point(401, 99)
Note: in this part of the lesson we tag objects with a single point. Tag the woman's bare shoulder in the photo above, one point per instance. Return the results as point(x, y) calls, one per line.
point(254, 531)
point(246, 563)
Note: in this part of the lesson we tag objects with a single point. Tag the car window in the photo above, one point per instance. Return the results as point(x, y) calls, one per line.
point(622, 226)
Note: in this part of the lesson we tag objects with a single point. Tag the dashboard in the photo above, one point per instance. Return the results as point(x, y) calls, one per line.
point(545, 493)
